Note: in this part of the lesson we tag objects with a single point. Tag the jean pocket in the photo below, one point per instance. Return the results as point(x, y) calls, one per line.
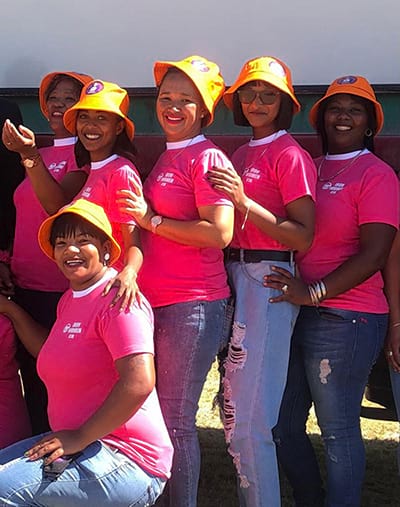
point(330, 315)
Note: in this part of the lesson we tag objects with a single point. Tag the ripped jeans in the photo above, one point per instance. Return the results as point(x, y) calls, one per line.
point(254, 381)
point(332, 354)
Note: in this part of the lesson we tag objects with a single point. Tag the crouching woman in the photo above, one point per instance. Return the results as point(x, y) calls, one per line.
point(108, 444)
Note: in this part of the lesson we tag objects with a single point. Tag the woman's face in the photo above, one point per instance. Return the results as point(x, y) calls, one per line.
point(80, 257)
point(65, 94)
point(180, 108)
point(98, 132)
point(260, 102)
point(345, 122)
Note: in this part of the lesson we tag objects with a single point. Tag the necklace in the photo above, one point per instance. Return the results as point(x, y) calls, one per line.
point(172, 158)
point(253, 162)
point(346, 166)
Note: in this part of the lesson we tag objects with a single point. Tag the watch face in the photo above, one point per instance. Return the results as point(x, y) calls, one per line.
point(156, 220)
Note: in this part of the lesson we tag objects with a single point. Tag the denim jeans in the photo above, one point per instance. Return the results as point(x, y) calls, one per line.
point(254, 381)
point(331, 357)
point(99, 476)
point(188, 337)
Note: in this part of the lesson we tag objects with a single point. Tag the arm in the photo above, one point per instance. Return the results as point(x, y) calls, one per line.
point(126, 279)
point(375, 243)
point(51, 194)
point(295, 231)
point(32, 334)
point(391, 277)
point(136, 382)
point(213, 229)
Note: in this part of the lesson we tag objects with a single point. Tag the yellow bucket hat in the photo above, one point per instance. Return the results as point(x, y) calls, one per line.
point(101, 96)
point(353, 85)
point(48, 78)
point(205, 75)
point(90, 212)
point(268, 69)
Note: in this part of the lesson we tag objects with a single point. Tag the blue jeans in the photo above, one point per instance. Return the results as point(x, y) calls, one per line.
point(188, 337)
point(99, 476)
point(332, 354)
point(254, 381)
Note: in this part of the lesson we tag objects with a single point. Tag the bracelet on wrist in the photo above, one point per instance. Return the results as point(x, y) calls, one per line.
point(317, 292)
point(31, 161)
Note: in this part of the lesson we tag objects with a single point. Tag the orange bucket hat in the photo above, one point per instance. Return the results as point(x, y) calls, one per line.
point(205, 75)
point(268, 69)
point(48, 78)
point(353, 85)
point(101, 96)
point(90, 212)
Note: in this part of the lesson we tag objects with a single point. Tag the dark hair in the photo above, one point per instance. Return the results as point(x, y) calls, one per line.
point(123, 147)
point(283, 120)
point(67, 224)
point(55, 82)
point(174, 70)
point(368, 141)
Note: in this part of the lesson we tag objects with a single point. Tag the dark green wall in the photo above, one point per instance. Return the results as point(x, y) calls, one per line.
point(142, 110)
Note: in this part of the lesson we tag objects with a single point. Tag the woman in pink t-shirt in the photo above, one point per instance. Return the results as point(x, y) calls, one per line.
point(344, 314)
point(272, 188)
point(52, 178)
point(185, 224)
point(108, 443)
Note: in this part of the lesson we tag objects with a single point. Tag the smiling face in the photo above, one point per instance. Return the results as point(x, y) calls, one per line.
point(345, 122)
point(80, 257)
point(262, 117)
point(180, 108)
point(60, 98)
point(98, 132)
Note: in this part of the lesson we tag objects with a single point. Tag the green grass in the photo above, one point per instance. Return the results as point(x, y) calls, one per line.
point(218, 483)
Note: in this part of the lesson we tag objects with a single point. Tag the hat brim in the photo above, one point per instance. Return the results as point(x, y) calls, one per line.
point(45, 230)
point(313, 114)
point(46, 81)
point(267, 77)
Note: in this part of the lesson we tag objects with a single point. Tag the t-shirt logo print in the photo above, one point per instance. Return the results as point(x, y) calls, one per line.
point(72, 329)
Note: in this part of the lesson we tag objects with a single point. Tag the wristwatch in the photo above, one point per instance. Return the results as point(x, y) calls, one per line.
point(155, 222)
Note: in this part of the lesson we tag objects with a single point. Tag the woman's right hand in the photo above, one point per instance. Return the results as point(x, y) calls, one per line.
point(6, 281)
point(392, 348)
point(135, 205)
point(21, 140)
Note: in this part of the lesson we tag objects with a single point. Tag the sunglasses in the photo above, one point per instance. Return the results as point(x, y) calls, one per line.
point(247, 96)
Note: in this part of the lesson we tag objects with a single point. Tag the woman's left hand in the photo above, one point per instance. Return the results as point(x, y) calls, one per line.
point(392, 348)
point(55, 445)
point(135, 205)
point(227, 180)
point(294, 290)
point(128, 289)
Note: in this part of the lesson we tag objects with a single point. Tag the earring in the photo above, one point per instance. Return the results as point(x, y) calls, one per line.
point(107, 257)
point(368, 132)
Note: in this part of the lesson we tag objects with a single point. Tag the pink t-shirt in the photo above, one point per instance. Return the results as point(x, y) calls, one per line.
point(76, 363)
point(275, 171)
point(176, 188)
point(105, 179)
point(14, 420)
point(368, 192)
point(32, 269)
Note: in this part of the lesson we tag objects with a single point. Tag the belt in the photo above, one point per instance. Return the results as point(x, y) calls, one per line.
point(236, 254)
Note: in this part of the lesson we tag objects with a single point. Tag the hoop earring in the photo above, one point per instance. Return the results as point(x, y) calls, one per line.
point(106, 258)
point(368, 132)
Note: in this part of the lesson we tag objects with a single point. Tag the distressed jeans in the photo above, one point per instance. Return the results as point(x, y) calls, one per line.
point(100, 476)
point(254, 381)
point(331, 357)
point(188, 337)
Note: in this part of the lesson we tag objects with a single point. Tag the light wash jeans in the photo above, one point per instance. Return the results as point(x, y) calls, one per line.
point(188, 337)
point(100, 476)
point(254, 381)
point(332, 354)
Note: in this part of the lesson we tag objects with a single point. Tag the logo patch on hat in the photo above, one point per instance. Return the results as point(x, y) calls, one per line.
point(346, 80)
point(200, 65)
point(95, 87)
point(277, 69)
